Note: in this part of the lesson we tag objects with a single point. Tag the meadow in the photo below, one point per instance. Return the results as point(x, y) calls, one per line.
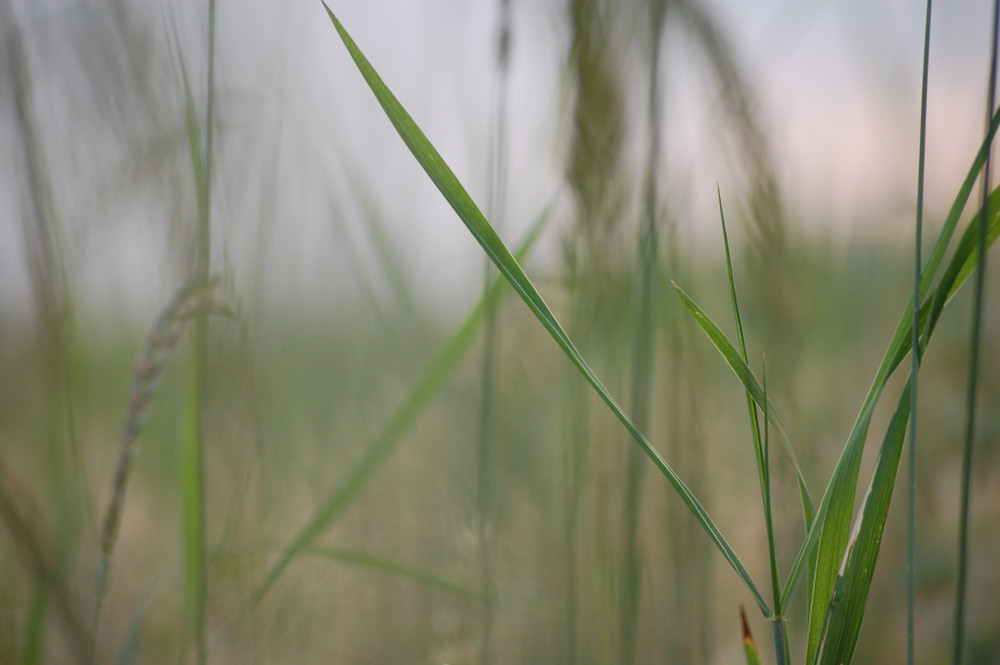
point(607, 456)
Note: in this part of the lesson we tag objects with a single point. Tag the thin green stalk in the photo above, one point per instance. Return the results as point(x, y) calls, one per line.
point(762, 454)
point(970, 425)
point(577, 443)
point(643, 350)
point(192, 480)
point(911, 545)
point(778, 621)
point(497, 173)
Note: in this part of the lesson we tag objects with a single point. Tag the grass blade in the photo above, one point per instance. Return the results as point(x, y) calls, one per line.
point(747, 378)
point(462, 203)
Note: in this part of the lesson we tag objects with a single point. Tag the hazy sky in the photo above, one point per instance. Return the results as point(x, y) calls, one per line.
point(304, 153)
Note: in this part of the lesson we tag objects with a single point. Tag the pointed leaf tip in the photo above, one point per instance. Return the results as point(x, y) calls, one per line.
point(749, 648)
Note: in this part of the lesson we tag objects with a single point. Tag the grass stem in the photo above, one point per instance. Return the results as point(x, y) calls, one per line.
point(977, 311)
point(497, 178)
point(915, 356)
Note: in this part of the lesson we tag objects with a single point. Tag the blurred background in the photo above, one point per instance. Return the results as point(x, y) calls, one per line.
point(511, 528)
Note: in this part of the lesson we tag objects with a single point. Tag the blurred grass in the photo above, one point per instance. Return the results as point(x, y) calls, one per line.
point(420, 510)
point(393, 571)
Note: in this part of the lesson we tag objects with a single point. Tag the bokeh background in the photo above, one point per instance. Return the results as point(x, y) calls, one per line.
point(346, 273)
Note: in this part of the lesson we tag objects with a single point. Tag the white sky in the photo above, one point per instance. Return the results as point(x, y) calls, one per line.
point(303, 145)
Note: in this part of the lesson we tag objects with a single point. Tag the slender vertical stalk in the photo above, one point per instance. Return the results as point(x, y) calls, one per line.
point(192, 444)
point(497, 168)
point(911, 529)
point(977, 311)
point(642, 377)
point(763, 459)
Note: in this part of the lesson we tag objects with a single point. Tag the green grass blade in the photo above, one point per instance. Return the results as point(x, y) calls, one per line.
point(834, 521)
point(469, 213)
point(395, 568)
point(746, 376)
point(966, 259)
point(443, 365)
point(852, 587)
point(761, 445)
point(754, 422)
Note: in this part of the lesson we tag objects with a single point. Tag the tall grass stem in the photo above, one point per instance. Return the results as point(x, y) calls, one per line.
point(494, 206)
point(643, 350)
point(970, 424)
point(911, 530)
point(192, 444)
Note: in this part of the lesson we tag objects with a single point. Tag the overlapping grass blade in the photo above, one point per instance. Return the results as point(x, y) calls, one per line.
point(382, 447)
point(750, 382)
point(853, 585)
point(837, 504)
point(462, 203)
point(762, 452)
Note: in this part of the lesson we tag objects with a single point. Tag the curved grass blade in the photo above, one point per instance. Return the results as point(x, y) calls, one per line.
point(746, 376)
point(382, 447)
point(462, 203)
